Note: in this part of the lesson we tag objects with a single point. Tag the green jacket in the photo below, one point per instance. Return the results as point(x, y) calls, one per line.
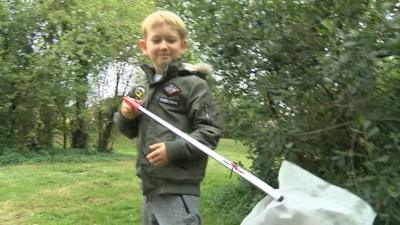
point(182, 97)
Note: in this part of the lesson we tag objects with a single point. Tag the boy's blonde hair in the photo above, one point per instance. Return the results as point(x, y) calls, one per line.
point(161, 17)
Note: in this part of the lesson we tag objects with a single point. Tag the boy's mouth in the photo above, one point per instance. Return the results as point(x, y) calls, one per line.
point(164, 56)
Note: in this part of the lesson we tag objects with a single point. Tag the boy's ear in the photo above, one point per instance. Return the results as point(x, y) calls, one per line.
point(143, 47)
point(184, 46)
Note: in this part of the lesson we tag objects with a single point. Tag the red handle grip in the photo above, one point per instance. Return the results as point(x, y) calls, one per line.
point(134, 103)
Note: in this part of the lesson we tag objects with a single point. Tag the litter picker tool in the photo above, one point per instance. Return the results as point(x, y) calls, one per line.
point(135, 104)
point(302, 198)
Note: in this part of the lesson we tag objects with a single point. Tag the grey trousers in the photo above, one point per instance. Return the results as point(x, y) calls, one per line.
point(171, 210)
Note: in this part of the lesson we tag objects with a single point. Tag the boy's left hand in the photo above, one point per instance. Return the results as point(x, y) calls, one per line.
point(158, 155)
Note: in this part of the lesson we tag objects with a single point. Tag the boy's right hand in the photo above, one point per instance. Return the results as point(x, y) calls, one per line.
point(127, 111)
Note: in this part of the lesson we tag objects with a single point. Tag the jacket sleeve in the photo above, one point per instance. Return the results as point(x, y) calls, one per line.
point(206, 123)
point(127, 127)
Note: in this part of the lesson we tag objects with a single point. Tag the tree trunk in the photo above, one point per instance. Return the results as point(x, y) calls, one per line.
point(106, 130)
point(79, 136)
point(65, 130)
point(79, 133)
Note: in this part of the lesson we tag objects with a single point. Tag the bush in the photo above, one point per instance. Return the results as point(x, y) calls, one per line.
point(229, 203)
point(11, 156)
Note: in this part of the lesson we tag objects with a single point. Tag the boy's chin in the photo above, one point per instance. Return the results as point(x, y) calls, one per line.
point(164, 62)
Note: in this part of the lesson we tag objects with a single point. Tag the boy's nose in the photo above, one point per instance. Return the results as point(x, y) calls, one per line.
point(163, 45)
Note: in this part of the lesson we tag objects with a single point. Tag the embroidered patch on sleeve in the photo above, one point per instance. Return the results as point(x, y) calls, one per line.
point(139, 92)
point(169, 101)
point(170, 89)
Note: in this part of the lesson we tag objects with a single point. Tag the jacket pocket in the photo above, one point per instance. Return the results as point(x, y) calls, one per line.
point(187, 171)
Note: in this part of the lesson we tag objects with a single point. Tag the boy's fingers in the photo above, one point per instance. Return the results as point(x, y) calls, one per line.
point(127, 111)
point(154, 146)
point(152, 155)
point(156, 155)
point(155, 159)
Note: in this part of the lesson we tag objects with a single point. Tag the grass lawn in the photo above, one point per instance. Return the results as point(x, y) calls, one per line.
point(98, 192)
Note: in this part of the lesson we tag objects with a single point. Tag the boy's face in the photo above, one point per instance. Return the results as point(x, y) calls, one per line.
point(162, 45)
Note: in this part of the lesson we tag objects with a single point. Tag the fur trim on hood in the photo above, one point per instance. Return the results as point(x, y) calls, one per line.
point(203, 68)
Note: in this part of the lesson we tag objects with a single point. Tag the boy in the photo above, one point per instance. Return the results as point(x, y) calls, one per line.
point(170, 169)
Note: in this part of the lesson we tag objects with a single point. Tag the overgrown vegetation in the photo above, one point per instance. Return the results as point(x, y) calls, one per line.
point(13, 157)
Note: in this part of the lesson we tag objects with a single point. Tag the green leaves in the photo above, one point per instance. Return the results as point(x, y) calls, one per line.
point(47, 56)
point(315, 82)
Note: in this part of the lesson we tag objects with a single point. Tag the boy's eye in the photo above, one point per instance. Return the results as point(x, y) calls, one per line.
point(156, 40)
point(171, 40)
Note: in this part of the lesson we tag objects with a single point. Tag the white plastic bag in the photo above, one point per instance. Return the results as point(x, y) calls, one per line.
point(309, 200)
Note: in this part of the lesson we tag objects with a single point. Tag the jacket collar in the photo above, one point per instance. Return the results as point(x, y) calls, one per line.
point(176, 68)
point(170, 70)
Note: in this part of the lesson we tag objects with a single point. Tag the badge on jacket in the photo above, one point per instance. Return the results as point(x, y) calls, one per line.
point(139, 93)
point(170, 89)
point(169, 101)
